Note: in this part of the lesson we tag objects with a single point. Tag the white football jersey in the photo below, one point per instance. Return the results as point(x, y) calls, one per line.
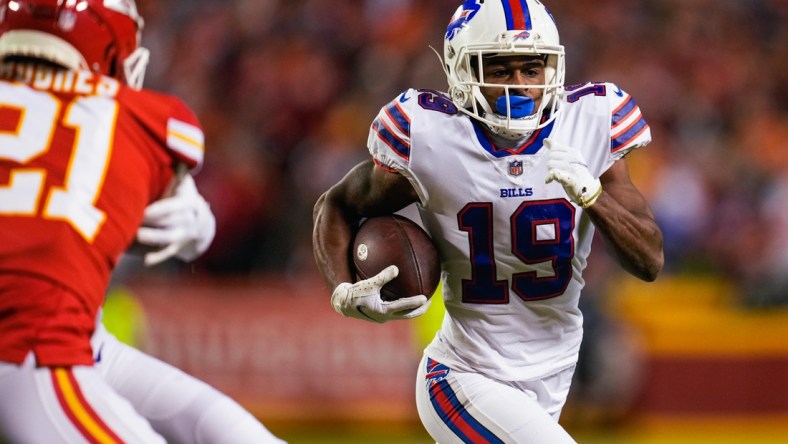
point(512, 248)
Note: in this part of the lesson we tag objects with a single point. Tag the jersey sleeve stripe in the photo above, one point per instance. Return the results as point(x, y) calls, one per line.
point(626, 124)
point(626, 121)
point(623, 110)
point(187, 140)
point(398, 116)
point(384, 133)
point(78, 410)
point(624, 138)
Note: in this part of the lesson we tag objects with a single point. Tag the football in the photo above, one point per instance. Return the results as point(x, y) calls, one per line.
point(396, 240)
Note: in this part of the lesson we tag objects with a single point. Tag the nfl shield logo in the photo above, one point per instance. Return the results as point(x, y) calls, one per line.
point(515, 167)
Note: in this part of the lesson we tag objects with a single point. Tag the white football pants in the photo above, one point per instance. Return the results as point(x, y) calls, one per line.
point(180, 407)
point(65, 405)
point(461, 407)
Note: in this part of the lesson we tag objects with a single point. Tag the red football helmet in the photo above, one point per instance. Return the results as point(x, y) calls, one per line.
point(100, 35)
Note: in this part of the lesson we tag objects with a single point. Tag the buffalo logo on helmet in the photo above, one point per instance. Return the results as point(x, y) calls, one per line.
point(523, 35)
point(462, 17)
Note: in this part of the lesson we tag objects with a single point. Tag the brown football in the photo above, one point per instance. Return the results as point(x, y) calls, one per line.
point(396, 240)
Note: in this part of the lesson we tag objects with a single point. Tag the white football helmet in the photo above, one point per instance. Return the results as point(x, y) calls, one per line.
point(98, 35)
point(481, 29)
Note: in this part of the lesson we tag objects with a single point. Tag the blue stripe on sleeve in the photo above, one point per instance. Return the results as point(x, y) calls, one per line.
point(398, 145)
point(400, 119)
point(621, 141)
point(623, 111)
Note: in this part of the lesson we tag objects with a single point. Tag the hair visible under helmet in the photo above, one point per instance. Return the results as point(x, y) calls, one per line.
point(481, 29)
point(102, 36)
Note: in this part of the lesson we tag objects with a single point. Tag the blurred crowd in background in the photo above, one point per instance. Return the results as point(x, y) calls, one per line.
point(287, 89)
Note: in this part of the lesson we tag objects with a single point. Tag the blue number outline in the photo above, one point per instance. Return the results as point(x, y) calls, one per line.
point(484, 287)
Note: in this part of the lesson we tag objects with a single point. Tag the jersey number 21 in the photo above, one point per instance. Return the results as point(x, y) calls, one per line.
point(93, 120)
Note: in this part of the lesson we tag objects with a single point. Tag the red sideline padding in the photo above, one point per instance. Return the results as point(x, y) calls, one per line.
point(281, 350)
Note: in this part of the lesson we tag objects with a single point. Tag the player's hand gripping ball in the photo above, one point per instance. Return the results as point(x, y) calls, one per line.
point(395, 240)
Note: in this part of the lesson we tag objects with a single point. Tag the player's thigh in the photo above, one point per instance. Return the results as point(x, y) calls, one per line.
point(69, 404)
point(178, 405)
point(157, 389)
point(460, 407)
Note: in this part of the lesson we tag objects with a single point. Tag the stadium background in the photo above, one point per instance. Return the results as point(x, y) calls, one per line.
point(286, 90)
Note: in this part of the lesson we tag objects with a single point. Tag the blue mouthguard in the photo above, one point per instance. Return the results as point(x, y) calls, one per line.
point(521, 106)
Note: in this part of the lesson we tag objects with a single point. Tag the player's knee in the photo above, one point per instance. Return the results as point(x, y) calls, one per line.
point(224, 420)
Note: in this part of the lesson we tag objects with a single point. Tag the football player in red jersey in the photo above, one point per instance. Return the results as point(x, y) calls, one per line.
point(88, 164)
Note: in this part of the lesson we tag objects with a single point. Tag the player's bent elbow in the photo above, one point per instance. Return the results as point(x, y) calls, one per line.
point(651, 269)
point(652, 259)
point(328, 203)
point(318, 206)
point(659, 264)
point(651, 275)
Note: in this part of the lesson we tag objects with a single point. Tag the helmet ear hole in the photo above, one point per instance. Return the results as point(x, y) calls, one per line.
point(113, 69)
point(110, 55)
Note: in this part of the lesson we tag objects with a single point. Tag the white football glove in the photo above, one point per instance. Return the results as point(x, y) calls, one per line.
point(181, 225)
point(362, 300)
point(566, 166)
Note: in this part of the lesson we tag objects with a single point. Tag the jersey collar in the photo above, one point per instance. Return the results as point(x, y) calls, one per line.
point(531, 145)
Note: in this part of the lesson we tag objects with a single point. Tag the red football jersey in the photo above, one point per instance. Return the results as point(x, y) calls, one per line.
point(81, 156)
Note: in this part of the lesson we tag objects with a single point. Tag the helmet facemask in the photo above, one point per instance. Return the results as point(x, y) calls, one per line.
point(134, 63)
point(134, 67)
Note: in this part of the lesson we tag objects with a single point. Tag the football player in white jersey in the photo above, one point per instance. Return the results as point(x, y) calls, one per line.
point(511, 173)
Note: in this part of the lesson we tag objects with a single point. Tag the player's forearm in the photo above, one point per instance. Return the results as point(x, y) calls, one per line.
point(633, 238)
point(331, 239)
